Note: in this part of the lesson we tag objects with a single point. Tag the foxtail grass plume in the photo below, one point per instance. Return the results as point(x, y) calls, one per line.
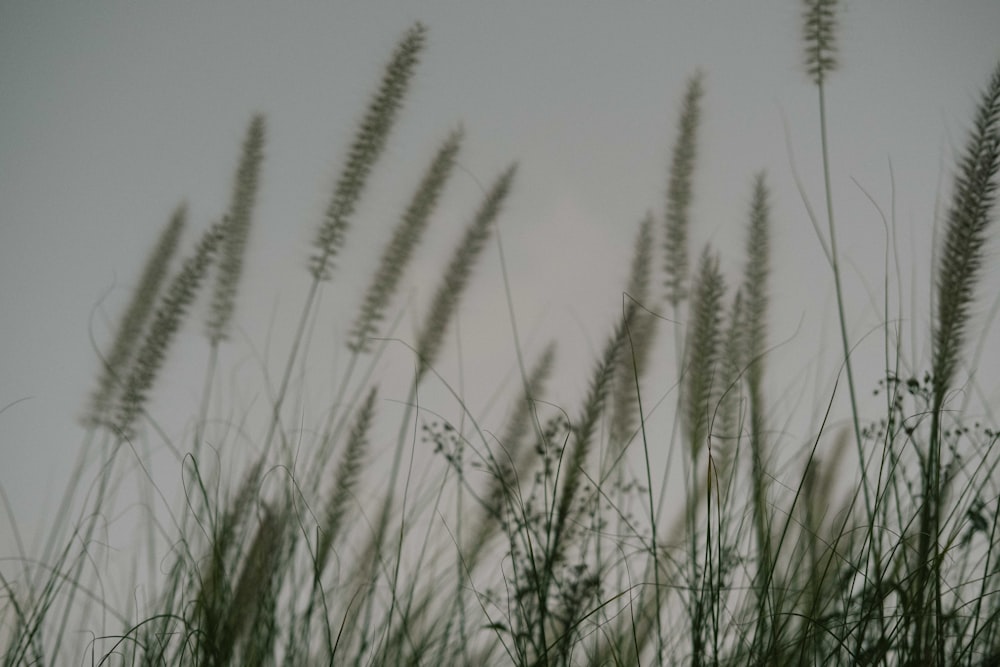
point(680, 192)
point(521, 419)
point(819, 35)
point(116, 364)
point(754, 287)
point(755, 276)
point(236, 230)
point(513, 462)
point(405, 238)
point(456, 276)
point(969, 216)
point(704, 338)
point(367, 146)
point(958, 272)
point(249, 626)
point(348, 473)
point(166, 322)
point(728, 393)
point(634, 359)
point(586, 428)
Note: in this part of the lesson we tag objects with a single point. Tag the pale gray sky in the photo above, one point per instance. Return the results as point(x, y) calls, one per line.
point(112, 112)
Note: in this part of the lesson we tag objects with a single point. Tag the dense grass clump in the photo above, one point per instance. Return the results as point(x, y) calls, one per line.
point(546, 540)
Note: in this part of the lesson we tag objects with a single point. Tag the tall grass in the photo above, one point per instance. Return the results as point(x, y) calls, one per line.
point(544, 539)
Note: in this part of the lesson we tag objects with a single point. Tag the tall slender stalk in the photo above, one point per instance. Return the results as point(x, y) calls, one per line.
point(429, 341)
point(700, 371)
point(755, 289)
point(821, 60)
point(958, 272)
point(236, 232)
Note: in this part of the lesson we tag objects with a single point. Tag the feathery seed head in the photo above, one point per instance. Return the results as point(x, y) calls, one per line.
point(367, 146)
point(755, 275)
point(969, 216)
point(236, 226)
point(819, 35)
point(348, 473)
point(728, 393)
point(679, 191)
point(405, 238)
point(704, 337)
point(633, 360)
point(165, 324)
point(586, 427)
point(116, 364)
point(456, 276)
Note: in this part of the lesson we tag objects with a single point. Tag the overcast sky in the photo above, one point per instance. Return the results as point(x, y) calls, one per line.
point(111, 113)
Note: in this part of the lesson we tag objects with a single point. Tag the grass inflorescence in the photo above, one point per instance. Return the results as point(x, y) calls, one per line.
point(544, 539)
